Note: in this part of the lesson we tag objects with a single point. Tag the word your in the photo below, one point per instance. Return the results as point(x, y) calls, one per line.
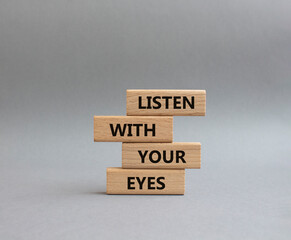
point(151, 182)
point(155, 156)
point(127, 129)
point(158, 102)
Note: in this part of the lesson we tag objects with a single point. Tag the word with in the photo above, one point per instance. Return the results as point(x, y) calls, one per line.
point(127, 129)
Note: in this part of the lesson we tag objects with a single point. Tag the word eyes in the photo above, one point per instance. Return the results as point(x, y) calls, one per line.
point(150, 183)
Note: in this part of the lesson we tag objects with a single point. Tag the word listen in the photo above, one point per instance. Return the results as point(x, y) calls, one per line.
point(166, 102)
point(156, 156)
point(127, 129)
point(150, 185)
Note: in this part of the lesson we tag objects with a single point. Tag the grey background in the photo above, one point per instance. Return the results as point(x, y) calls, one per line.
point(61, 62)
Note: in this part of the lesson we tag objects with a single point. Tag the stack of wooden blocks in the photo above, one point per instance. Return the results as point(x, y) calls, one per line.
point(151, 162)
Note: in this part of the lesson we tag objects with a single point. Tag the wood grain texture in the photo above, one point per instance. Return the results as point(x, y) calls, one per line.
point(134, 129)
point(161, 155)
point(145, 181)
point(153, 102)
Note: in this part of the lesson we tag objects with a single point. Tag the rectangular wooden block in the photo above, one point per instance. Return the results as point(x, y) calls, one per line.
point(145, 181)
point(161, 155)
point(133, 129)
point(166, 102)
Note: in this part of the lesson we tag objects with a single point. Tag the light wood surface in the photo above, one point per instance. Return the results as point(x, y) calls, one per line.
point(166, 102)
point(161, 155)
point(133, 129)
point(145, 181)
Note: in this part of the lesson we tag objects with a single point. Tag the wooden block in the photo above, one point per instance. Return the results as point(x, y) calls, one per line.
point(166, 102)
point(133, 129)
point(145, 181)
point(161, 155)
